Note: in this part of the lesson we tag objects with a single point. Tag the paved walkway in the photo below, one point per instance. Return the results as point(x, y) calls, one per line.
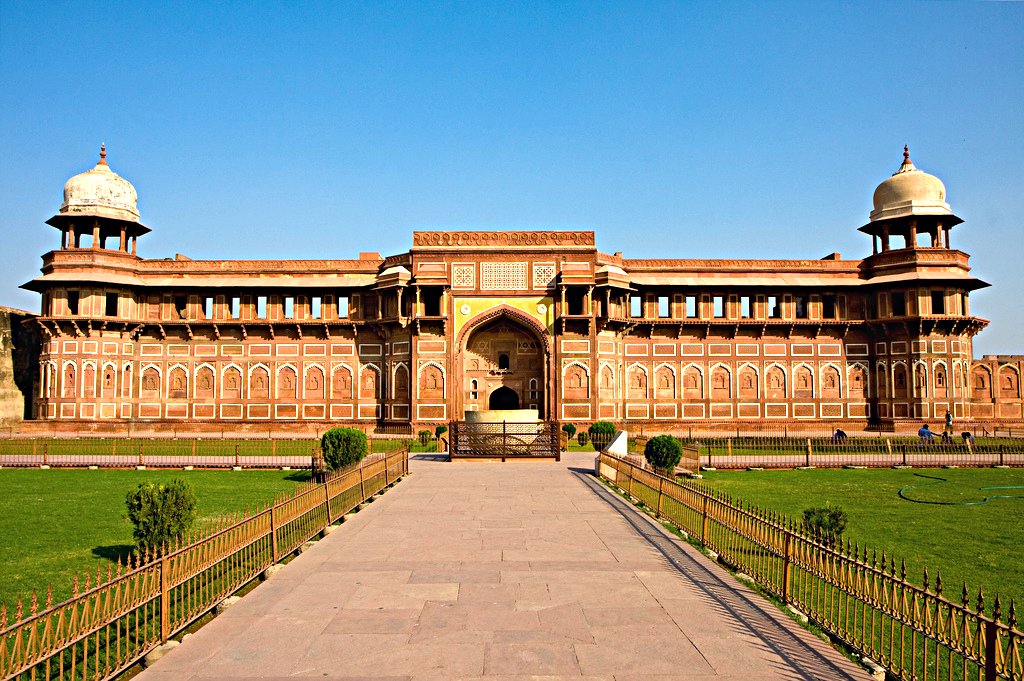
point(502, 570)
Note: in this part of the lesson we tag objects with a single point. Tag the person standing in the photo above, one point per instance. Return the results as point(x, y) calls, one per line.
point(949, 423)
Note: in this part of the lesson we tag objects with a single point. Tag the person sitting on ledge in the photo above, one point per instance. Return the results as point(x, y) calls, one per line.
point(839, 437)
point(946, 438)
point(926, 435)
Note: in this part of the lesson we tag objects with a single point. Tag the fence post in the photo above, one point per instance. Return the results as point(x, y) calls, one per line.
point(237, 462)
point(990, 649)
point(787, 558)
point(631, 468)
point(140, 453)
point(273, 532)
point(193, 448)
point(327, 501)
point(1000, 455)
point(46, 451)
point(362, 490)
point(704, 522)
point(807, 455)
point(904, 448)
point(728, 444)
point(661, 493)
point(273, 447)
point(165, 600)
point(387, 481)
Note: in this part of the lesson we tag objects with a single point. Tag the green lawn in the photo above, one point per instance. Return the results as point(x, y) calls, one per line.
point(981, 544)
point(59, 522)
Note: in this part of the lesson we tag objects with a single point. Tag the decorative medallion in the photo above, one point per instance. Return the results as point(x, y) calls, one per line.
point(465, 309)
point(542, 308)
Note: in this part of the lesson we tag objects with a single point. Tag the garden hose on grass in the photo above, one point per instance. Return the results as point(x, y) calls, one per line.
point(939, 481)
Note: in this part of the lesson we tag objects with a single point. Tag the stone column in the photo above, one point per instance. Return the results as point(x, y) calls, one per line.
point(885, 239)
point(913, 234)
point(96, 235)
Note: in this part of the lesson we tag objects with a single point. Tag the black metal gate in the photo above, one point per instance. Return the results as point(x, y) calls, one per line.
point(540, 440)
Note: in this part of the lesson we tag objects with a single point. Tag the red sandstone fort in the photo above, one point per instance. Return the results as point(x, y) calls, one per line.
point(478, 320)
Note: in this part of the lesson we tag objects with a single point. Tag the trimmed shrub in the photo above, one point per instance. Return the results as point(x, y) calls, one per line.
point(601, 433)
point(424, 437)
point(569, 430)
point(582, 438)
point(161, 512)
point(663, 452)
point(827, 522)
point(439, 431)
point(343, 447)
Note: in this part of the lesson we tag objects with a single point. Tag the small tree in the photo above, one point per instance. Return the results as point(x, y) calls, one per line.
point(161, 512)
point(827, 522)
point(601, 433)
point(663, 452)
point(343, 447)
point(424, 437)
point(569, 430)
point(582, 438)
point(439, 431)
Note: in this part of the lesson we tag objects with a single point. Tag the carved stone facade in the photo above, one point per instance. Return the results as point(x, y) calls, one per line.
point(477, 320)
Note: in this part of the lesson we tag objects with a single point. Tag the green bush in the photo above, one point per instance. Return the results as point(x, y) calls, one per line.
point(343, 447)
point(582, 438)
point(663, 452)
point(161, 512)
point(826, 522)
point(439, 431)
point(569, 429)
point(424, 437)
point(601, 433)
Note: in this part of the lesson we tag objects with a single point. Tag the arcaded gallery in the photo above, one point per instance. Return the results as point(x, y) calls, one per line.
point(467, 321)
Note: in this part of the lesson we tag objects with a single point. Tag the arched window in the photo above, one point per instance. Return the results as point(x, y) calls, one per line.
point(503, 362)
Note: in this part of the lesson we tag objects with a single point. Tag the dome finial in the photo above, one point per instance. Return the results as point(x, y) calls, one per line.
point(103, 154)
point(907, 164)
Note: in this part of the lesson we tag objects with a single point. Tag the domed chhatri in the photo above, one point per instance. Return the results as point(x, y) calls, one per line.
point(100, 192)
point(909, 191)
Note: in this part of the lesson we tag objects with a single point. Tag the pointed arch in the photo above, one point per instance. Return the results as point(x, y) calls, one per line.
point(231, 382)
point(108, 380)
point(341, 382)
point(748, 381)
point(430, 381)
point(721, 381)
point(857, 380)
point(776, 378)
point(575, 381)
point(606, 381)
point(286, 382)
point(400, 382)
point(830, 380)
point(314, 382)
point(636, 381)
point(204, 381)
point(693, 381)
point(177, 382)
point(152, 378)
point(665, 381)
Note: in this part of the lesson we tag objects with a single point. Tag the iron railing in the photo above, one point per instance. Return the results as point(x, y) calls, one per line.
point(857, 596)
point(504, 440)
point(113, 621)
point(750, 452)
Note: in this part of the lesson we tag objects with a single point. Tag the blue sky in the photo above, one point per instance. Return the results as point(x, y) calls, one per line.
point(733, 130)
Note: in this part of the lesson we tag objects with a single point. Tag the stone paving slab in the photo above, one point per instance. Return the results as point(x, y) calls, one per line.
point(485, 570)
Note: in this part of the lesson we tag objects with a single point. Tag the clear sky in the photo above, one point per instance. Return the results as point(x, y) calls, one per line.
point(302, 129)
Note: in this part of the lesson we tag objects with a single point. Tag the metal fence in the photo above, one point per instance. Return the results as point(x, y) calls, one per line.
point(505, 440)
point(112, 622)
point(751, 452)
point(857, 596)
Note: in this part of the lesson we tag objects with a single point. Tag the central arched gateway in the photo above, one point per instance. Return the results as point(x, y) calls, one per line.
point(504, 365)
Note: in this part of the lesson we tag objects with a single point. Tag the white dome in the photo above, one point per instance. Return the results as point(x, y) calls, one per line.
point(909, 192)
point(100, 192)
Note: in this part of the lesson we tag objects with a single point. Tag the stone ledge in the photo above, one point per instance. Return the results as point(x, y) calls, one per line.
point(158, 652)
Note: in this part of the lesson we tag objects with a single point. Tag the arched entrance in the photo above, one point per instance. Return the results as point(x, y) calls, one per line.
point(503, 366)
point(503, 398)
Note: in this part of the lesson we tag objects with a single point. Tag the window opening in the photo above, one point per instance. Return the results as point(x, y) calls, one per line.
point(938, 302)
point(745, 307)
point(315, 307)
point(73, 302)
point(208, 307)
point(181, 306)
point(801, 307)
point(431, 302)
point(261, 307)
point(719, 305)
point(663, 310)
point(342, 307)
point(111, 310)
point(691, 307)
point(774, 310)
point(636, 306)
point(899, 304)
point(503, 362)
point(289, 307)
point(828, 307)
point(236, 307)
point(576, 301)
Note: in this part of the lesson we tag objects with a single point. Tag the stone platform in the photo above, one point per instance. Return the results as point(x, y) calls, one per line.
point(485, 570)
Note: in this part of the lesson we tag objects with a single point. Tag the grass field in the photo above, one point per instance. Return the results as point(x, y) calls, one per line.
point(982, 544)
point(59, 522)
